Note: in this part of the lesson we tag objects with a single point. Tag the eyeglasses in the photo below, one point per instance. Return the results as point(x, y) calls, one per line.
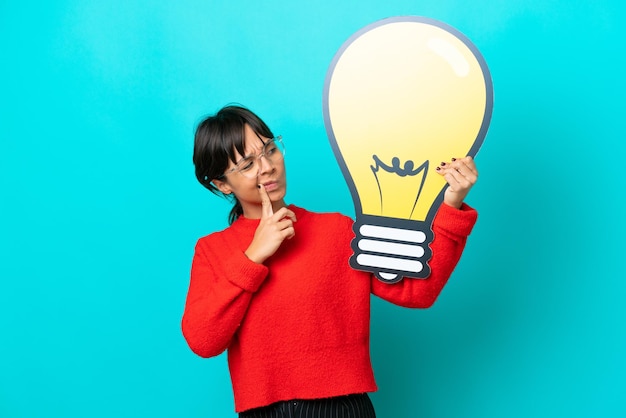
point(250, 166)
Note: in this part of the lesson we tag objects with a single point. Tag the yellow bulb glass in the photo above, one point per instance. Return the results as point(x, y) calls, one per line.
point(401, 96)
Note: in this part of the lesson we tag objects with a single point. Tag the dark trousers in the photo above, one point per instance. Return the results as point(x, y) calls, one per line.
point(350, 406)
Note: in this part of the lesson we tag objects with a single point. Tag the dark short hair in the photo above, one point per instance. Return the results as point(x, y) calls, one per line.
point(217, 140)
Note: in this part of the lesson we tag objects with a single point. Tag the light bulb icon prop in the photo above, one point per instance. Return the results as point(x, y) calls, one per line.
point(402, 95)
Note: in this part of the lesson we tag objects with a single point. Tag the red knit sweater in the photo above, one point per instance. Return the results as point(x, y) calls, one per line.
point(298, 325)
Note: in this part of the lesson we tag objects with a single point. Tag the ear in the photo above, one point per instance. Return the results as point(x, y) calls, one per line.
point(222, 186)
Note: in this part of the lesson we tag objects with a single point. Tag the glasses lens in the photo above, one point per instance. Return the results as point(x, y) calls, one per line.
point(273, 152)
point(278, 141)
point(274, 149)
point(249, 167)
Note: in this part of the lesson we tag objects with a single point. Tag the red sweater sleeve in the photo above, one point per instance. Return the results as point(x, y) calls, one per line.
point(222, 282)
point(451, 228)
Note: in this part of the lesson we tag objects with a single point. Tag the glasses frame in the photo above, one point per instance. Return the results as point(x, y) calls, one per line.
point(277, 139)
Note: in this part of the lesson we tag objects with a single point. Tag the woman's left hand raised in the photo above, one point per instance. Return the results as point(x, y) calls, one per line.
point(461, 175)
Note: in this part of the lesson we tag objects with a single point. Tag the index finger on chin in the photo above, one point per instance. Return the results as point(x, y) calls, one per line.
point(267, 210)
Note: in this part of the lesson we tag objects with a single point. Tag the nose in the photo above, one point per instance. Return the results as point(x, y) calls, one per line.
point(265, 165)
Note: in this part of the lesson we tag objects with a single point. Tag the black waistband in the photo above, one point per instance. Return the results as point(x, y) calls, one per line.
point(349, 406)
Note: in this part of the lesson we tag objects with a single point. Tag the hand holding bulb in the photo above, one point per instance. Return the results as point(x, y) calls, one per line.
point(461, 175)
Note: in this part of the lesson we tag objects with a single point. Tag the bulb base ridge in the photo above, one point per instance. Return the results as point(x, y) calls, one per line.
point(392, 248)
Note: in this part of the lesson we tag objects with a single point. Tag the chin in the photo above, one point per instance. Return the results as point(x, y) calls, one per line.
point(279, 193)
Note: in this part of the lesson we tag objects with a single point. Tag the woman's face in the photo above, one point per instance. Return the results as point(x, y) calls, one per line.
point(271, 176)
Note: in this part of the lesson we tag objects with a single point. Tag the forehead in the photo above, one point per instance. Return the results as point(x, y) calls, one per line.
point(252, 141)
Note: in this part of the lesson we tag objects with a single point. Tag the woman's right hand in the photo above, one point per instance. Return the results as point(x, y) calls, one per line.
point(273, 229)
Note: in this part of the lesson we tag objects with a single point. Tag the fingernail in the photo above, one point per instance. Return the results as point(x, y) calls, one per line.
point(443, 164)
point(454, 159)
point(438, 168)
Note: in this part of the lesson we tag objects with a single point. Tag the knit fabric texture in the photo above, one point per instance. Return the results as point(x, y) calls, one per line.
point(297, 326)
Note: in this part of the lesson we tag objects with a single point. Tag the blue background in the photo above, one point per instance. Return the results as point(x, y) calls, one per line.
point(100, 210)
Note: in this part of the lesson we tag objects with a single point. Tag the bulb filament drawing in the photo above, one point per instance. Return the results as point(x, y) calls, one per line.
point(395, 168)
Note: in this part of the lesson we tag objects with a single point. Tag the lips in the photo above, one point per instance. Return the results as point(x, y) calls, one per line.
point(270, 186)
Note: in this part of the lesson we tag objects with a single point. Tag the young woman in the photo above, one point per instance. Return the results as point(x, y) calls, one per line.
point(275, 288)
